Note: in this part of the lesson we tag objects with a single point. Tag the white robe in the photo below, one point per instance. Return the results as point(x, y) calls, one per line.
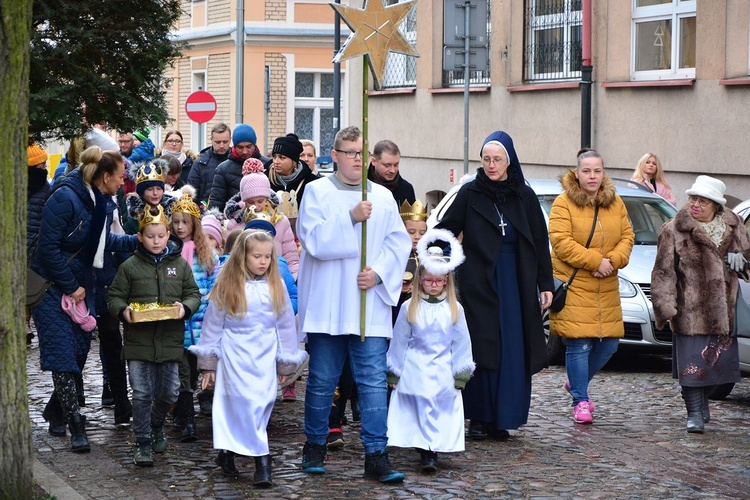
point(251, 350)
point(329, 299)
point(426, 410)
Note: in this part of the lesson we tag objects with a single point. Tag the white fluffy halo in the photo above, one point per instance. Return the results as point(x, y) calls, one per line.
point(439, 266)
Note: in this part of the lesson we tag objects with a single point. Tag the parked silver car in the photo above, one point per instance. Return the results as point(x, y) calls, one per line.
point(647, 213)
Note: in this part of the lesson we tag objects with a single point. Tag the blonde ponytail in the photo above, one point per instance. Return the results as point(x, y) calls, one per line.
point(90, 163)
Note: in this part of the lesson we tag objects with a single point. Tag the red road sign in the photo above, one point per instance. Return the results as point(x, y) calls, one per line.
point(200, 106)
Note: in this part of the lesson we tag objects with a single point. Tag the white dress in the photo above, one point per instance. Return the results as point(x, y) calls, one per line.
point(426, 410)
point(251, 349)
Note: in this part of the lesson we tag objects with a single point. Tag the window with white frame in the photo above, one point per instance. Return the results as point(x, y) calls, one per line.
point(552, 40)
point(313, 109)
point(198, 130)
point(663, 39)
point(400, 69)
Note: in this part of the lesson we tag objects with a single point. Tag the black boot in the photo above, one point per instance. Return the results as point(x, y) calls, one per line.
point(706, 410)
point(79, 390)
point(477, 430)
point(429, 460)
point(377, 466)
point(53, 414)
point(79, 442)
point(225, 460)
point(123, 410)
point(354, 402)
point(184, 412)
point(693, 397)
point(206, 401)
point(262, 476)
point(107, 399)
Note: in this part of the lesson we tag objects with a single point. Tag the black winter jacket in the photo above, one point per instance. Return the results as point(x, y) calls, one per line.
point(227, 179)
point(202, 174)
point(38, 190)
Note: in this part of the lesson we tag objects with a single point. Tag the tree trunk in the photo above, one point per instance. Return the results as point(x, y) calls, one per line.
point(16, 452)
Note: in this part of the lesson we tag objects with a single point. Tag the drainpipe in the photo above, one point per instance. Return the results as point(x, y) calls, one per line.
point(586, 71)
point(240, 48)
point(336, 79)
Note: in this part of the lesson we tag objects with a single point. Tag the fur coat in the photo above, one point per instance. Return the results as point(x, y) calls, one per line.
point(592, 308)
point(691, 285)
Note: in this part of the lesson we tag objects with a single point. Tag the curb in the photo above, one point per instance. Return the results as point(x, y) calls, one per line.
point(53, 484)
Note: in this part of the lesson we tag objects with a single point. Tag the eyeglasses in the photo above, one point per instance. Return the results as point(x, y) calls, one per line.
point(174, 141)
point(437, 282)
point(703, 202)
point(125, 141)
point(496, 161)
point(350, 154)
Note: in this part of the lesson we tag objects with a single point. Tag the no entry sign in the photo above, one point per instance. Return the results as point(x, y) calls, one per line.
point(200, 106)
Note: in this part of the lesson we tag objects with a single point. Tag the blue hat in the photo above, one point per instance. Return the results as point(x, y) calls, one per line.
point(506, 141)
point(263, 225)
point(244, 133)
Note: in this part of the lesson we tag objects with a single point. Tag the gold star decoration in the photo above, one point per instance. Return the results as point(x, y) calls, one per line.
point(374, 33)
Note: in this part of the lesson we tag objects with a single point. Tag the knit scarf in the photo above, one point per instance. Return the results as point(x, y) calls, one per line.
point(188, 250)
point(499, 190)
point(180, 156)
point(372, 174)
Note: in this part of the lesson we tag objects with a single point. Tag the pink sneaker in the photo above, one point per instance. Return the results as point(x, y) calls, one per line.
point(288, 394)
point(591, 403)
point(582, 414)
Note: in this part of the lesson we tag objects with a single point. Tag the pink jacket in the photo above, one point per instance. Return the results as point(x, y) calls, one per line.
point(661, 190)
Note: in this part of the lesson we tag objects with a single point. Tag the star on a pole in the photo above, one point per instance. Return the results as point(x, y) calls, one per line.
point(375, 33)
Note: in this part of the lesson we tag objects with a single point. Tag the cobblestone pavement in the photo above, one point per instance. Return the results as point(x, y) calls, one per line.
point(637, 448)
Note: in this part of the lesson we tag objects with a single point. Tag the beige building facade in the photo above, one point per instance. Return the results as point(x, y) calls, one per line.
point(670, 77)
point(287, 71)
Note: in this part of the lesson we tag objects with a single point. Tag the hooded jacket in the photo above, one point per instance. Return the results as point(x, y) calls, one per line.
point(592, 308)
point(155, 341)
point(227, 177)
point(691, 285)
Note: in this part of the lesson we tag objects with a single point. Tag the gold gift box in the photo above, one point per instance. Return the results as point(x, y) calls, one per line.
point(141, 313)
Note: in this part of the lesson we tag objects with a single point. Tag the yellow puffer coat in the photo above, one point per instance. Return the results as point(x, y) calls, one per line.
point(592, 308)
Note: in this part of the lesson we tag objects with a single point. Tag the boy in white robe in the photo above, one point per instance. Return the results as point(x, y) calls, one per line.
point(329, 228)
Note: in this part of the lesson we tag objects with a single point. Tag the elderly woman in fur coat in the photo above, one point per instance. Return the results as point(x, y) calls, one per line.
point(592, 318)
point(694, 286)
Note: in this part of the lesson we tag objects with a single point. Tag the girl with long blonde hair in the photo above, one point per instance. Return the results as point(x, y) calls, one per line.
point(649, 173)
point(429, 357)
point(248, 334)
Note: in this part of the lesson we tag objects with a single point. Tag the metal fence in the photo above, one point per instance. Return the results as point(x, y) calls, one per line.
point(552, 40)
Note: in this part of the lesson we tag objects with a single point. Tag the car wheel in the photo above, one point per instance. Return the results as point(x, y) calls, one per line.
point(721, 391)
point(555, 344)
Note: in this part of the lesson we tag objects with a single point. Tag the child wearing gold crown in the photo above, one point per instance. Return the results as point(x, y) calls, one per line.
point(415, 221)
point(255, 191)
point(429, 357)
point(149, 180)
point(153, 349)
point(204, 261)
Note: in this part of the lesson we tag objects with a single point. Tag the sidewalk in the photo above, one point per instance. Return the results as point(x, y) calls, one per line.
point(637, 448)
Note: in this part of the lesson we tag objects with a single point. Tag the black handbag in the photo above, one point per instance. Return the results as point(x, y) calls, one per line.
point(561, 287)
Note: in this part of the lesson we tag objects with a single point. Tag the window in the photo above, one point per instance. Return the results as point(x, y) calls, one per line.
point(313, 109)
point(198, 130)
point(455, 78)
point(552, 40)
point(663, 39)
point(400, 69)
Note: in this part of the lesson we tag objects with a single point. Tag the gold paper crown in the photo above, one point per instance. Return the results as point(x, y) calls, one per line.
point(186, 205)
point(417, 211)
point(267, 213)
point(145, 217)
point(150, 172)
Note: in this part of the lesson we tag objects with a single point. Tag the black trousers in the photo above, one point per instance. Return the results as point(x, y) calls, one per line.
point(111, 350)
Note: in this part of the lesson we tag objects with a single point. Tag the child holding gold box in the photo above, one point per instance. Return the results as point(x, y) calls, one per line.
point(153, 349)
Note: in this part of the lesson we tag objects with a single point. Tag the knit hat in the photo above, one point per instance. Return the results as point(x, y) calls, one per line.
point(254, 183)
point(142, 135)
point(213, 228)
point(252, 166)
point(708, 187)
point(244, 133)
point(503, 139)
point(261, 224)
point(36, 155)
point(289, 146)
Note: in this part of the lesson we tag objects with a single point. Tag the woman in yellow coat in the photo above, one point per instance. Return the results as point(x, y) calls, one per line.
point(591, 320)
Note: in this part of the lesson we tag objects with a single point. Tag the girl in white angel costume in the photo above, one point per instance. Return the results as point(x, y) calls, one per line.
point(429, 358)
point(249, 326)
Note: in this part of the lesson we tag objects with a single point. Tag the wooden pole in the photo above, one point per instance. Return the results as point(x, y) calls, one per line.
point(365, 149)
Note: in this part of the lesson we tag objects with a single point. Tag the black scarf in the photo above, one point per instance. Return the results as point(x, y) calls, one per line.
point(374, 177)
point(500, 190)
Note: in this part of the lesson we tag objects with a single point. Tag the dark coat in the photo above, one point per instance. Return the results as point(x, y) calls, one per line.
point(66, 221)
point(155, 341)
point(202, 174)
point(38, 192)
point(403, 190)
point(104, 276)
point(297, 184)
point(691, 285)
point(226, 182)
point(473, 213)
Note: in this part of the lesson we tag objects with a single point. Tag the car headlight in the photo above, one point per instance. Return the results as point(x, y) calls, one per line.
point(627, 289)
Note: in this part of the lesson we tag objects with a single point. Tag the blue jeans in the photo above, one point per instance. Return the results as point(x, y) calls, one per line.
point(157, 383)
point(368, 364)
point(583, 359)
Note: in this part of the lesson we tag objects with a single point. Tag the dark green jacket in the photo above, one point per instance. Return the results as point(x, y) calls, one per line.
point(142, 279)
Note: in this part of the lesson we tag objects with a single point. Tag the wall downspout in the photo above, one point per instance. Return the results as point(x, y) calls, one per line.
point(586, 73)
point(240, 49)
